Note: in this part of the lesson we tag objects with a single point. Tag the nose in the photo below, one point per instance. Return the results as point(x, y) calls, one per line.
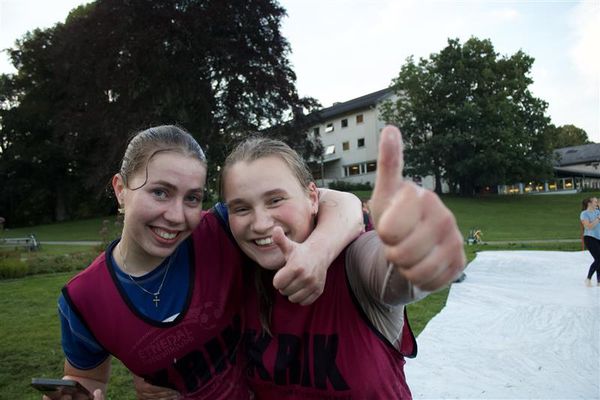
point(262, 221)
point(174, 212)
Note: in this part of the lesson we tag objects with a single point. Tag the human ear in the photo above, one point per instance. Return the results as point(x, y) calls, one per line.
point(313, 196)
point(119, 190)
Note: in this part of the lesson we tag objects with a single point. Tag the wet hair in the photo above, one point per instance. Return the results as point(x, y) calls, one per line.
point(250, 150)
point(256, 148)
point(147, 143)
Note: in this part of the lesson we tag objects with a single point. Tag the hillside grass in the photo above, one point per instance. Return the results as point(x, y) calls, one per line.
point(517, 218)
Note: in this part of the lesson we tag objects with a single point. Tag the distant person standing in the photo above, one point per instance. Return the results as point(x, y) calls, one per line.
point(367, 221)
point(2, 221)
point(590, 218)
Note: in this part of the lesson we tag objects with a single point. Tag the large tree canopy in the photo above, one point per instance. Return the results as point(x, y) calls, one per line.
point(468, 117)
point(218, 68)
point(568, 135)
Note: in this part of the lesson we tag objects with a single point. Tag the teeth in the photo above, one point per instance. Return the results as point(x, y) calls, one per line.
point(264, 241)
point(165, 235)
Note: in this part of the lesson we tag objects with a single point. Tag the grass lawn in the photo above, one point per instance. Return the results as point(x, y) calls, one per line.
point(30, 333)
point(519, 217)
point(87, 229)
point(30, 338)
point(515, 218)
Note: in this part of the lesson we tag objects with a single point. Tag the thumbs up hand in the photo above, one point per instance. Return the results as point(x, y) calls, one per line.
point(301, 280)
point(419, 232)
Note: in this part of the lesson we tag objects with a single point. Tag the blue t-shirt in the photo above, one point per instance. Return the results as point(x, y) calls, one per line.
point(221, 210)
point(591, 216)
point(79, 345)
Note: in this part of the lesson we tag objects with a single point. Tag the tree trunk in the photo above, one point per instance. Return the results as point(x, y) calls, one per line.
point(60, 207)
point(438, 183)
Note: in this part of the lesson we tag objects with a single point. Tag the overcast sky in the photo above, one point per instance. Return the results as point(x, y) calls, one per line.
point(342, 49)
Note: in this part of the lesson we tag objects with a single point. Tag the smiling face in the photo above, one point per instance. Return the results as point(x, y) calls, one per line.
point(163, 212)
point(262, 194)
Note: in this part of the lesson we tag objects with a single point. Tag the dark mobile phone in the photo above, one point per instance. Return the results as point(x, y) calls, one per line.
point(55, 388)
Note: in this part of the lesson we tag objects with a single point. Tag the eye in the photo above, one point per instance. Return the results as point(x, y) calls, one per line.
point(194, 199)
point(159, 193)
point(239, 210)
point(274, 201)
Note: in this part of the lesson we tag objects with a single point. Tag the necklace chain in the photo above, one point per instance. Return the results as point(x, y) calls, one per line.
point(156, 294)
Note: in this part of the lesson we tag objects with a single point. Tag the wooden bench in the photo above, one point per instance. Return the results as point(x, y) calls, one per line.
point(30, 242)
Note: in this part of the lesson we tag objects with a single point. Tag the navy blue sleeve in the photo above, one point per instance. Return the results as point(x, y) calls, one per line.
point(223, 214)
point(79, 346)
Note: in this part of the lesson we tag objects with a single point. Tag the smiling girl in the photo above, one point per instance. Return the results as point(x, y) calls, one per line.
point(347, 344)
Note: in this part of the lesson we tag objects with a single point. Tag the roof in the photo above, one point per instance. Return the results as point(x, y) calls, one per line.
point(583, 154)
point(361, 102)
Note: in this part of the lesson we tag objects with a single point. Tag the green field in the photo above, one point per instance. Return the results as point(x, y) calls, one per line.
point(531, 217)
point(501, 218)
point(87, 229)
point(30, 333)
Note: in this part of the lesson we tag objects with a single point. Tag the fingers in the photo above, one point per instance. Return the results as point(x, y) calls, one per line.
point(297, 284)
point(439, 268)
point(390, 164)
point(402, 214)
point(413, 237)
point(284, 244)
point(301, 279)
point(147, 391)
point(421, 238)
point(436, 268)
point(305, 296)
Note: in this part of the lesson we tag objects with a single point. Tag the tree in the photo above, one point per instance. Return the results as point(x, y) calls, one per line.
point(468, 117)
point(567, 136)
point(217, 68)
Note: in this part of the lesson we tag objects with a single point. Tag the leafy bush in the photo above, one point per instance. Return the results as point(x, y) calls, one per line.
point(109, 232)
point(45, 263)
point(11, 267)
point(349, 186)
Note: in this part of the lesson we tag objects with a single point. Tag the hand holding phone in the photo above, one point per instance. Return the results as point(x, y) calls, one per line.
point(56, 388)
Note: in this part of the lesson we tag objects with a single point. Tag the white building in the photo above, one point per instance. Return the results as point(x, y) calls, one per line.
point(350, 134)
point(575, 168)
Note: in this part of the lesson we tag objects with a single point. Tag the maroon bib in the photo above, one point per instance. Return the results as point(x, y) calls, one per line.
point(196, 353)
point(327, 350)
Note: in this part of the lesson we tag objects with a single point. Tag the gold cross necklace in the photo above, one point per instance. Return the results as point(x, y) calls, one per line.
point(156, 294)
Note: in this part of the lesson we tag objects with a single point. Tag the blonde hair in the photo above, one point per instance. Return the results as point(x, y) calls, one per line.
point(255, 148)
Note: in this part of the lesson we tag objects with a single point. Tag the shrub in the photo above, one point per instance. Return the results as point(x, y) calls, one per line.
point(350, 186)
point(11, 267)
point(46, 263)
point(109, 232)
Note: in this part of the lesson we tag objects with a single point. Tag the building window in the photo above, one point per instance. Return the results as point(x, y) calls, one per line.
point(316, 131)
point(360, 142)
point(372, 166)
point(359, 119)
point(352, 170)
point(329, 127)
point(346, 146)
point(329, 150)
point(345, 123)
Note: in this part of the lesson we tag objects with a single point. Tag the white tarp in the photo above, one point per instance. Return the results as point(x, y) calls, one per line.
point(522, 325)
